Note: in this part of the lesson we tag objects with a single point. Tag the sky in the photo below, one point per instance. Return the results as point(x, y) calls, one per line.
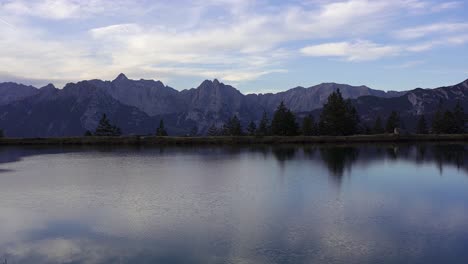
point(258, 46)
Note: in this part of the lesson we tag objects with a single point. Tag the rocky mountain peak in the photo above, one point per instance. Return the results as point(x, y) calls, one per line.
point(121, 77)
point(48, 87)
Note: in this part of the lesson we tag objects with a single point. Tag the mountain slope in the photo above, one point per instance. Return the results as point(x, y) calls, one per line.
point(11, 92)
point(413, 103)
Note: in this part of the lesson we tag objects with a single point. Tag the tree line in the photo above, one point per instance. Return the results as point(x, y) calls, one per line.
point(106, 129)
point(340, 118)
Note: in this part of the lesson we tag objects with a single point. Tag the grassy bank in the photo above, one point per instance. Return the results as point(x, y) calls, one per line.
point(140, 140)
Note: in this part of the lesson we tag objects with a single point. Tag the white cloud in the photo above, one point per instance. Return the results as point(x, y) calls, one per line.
point(238, 39)
point(65, 9)
point(408, 64)
point(447, 41)
point(352, 51)
point(447, 6)
point(437, 28)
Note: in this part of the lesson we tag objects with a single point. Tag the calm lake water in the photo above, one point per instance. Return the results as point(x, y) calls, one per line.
point(360, 204)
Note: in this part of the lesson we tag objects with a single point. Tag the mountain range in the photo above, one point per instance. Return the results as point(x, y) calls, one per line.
point(136, 106)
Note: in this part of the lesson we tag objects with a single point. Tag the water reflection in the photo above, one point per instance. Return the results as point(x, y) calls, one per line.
point(255, 204)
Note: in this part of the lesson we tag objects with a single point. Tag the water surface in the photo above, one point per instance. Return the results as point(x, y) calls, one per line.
point(290, 204)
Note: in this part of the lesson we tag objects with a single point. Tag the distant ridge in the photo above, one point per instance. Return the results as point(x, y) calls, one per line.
point(138, 105)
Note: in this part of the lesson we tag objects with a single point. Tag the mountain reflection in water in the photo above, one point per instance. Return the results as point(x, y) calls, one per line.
point(257, 204)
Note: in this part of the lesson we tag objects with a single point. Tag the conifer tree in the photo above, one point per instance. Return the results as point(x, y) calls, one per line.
point(2, 134)
point(459, 116)
point(378, 126)
point(193, 131)
point(264, 126)
point(233, 127)
point(339, 117)
point(393, 122)
point(106, 129)
point(251, 128)
point(422, 125)
point(212, 131)
point(161, 130)
point(284, 122)
point(438, 120)
point(449, 125)
point(309, 127)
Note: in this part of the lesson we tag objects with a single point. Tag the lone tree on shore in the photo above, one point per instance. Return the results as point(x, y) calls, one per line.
point(264, 126)
point(106, 129)
point(421, 127)
point(393, 121)
point(309, 127)
point(284, 122)
point(339, 117)
point(161, 130)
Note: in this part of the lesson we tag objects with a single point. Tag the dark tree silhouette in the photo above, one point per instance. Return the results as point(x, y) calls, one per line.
point(161, 130)
point(233, 127)
point(2, 134)
point(264, 126)
point(284, 122)
point(378, 126)
point(421, 127)
point(88, 133)
point(438, 120)
point(251, 128)
point(106, 129)
point(459, 116)
point(213, 131)
point(309, 127)
point(338, 117)
point(193, 131)
point(393, 121)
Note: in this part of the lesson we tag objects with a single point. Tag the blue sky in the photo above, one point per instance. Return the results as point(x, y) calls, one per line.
point(256, 45)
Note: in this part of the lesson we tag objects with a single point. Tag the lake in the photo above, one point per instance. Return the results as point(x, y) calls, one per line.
point(288, 204)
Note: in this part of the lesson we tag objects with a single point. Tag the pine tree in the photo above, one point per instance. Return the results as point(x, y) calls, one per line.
point(161, 131)
point(339, 117)
point(212, 131)
point(378, 127)
point(421, 127)
point(251, 128)
point(393, 122)
point(449, 125)
point(233, 127)
point(438, 120)
point(88, 133)
point(459, 116)
point(193, 131)
point(284, 122)
point(106, 129)
point(264, 126)
point(2, 134)
point(309, 127)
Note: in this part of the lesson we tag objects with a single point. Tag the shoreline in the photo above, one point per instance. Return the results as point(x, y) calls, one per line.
point(244, 140)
